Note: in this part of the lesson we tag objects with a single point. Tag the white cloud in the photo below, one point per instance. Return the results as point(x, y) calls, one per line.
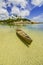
point(2, 4)
point(37, 2)
point(1, 0)
point(15, 10)
point(22, 3)
point(3, 14)
point(38, 18)
point(19, 12)
point(24, 13)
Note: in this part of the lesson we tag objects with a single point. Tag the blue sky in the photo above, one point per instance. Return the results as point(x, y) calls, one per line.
point(31, 9)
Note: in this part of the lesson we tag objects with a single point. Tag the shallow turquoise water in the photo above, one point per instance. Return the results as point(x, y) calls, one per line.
point(14, 52)
point(34, 27)
point(30, 26)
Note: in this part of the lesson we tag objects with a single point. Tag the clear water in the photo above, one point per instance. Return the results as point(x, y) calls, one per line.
point(38, 27)
point(14, 52)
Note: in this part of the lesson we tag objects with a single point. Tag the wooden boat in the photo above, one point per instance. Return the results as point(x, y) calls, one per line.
point(23, 36)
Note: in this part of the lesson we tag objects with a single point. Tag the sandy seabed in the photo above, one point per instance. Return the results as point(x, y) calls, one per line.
point(14, 52)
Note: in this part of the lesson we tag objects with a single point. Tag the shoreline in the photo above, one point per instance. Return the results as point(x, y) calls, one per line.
point(20, 23)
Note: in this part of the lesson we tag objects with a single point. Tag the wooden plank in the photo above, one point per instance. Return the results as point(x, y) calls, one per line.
point(23, 36)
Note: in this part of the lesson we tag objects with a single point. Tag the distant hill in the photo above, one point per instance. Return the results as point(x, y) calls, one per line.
point(18, 20)
point(14, 20)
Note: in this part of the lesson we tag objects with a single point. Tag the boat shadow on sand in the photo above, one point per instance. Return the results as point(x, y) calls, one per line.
point(26, 43)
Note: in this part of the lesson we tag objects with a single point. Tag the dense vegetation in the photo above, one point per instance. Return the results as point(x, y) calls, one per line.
point(11, 21)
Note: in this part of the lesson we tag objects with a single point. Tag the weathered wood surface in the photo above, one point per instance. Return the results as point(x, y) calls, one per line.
point(23, 36)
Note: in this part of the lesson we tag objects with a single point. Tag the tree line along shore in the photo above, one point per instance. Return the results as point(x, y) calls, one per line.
point(18, 21)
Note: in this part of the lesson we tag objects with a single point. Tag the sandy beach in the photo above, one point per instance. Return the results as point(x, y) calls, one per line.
point(14, 52)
